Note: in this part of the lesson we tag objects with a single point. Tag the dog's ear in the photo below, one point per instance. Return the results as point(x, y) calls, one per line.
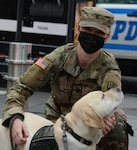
point(91, 118)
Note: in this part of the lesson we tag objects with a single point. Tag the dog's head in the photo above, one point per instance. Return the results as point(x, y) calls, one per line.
point(98, 104)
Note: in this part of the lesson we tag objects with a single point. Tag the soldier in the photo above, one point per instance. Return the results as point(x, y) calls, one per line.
point(73, 71)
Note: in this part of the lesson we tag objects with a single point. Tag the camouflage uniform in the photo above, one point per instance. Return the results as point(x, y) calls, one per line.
point(69, 82)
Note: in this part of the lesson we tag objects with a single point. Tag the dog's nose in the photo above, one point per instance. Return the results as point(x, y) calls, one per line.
point(118, 90)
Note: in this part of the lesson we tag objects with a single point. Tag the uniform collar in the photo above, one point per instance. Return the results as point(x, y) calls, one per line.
point(72, 66)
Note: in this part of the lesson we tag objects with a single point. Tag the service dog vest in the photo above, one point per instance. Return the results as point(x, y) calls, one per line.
point(44, 139)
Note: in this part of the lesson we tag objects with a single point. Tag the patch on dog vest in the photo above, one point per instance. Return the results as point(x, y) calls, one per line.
point(44, 139)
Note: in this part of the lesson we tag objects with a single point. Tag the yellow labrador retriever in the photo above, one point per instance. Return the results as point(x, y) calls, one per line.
point(80, 129)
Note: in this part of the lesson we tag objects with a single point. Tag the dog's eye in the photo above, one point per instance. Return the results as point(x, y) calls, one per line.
point(103, 95)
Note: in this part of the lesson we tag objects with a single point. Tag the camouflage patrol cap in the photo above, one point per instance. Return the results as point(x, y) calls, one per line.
point(96, 17)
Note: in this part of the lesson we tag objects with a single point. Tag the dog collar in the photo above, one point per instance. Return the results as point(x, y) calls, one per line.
point(76, 136)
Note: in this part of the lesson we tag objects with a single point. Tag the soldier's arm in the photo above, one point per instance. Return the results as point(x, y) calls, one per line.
point(28, 83)
point(32, 80)
point(15, 102)
point(111, 79)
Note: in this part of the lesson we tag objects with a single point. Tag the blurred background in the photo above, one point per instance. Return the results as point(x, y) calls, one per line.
point(29, 29)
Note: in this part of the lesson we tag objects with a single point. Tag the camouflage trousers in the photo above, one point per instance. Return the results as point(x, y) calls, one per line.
point(117, 139)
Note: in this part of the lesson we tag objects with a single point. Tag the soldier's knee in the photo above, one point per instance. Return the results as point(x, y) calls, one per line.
point(113, 143)
point(117, 139)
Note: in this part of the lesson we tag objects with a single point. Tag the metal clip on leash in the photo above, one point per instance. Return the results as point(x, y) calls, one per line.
point(64, 133)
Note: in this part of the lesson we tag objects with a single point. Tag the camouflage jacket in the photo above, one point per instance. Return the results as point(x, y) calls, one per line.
point(69, 81)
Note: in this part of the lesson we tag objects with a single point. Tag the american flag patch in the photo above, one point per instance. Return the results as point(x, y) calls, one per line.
point(41, 63)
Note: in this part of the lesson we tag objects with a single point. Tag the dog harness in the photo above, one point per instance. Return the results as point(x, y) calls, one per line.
point(44, 139)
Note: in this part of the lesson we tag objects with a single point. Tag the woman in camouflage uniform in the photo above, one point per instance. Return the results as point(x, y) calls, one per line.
point(74, 70)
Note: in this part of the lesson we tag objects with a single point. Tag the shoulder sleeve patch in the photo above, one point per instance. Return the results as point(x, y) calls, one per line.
point(41, 63)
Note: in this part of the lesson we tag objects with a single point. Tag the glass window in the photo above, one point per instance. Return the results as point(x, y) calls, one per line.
point(118, 1)
point(8, 9)
point(41, 10)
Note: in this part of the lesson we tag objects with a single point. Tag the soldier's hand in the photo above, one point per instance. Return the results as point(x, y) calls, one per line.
point(109, 124)
point(19, 132)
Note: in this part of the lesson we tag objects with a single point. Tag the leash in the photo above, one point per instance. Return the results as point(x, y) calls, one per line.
point(13, 146)
point(65, 128)
point(64, 133)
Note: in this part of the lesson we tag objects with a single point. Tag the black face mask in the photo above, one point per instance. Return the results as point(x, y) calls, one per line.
point(90, 42)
